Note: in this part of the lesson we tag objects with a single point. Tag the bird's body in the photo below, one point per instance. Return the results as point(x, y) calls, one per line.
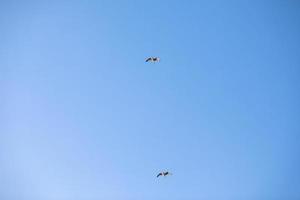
point(163, 174)
point(153, 59)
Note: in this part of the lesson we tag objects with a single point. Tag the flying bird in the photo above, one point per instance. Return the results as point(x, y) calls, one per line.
point(153, 59)
point(163, 174)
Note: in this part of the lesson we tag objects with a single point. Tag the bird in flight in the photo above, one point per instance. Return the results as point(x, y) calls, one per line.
point(153, 59)
point(163, 174)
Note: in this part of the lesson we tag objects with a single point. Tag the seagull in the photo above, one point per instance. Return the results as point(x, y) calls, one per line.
point(163, 174)
point(153, 59)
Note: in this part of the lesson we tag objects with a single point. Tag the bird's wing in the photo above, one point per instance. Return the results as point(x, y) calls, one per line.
point(148, 59)
point(159, 175)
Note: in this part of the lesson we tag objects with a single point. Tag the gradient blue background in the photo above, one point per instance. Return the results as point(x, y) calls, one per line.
point(82, 116)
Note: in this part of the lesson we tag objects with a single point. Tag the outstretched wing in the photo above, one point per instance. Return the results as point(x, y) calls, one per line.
point(160, 174)
point(148, 59)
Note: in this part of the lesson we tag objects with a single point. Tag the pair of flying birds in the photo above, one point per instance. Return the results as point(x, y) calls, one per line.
point(154, 60)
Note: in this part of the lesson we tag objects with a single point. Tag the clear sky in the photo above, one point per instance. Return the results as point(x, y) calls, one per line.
point(83, 117)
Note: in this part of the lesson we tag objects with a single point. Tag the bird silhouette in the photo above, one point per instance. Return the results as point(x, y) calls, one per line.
point(163, 174)
point(153, 59)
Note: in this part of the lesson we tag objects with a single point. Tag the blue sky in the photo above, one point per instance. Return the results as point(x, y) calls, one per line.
point(84, 117)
